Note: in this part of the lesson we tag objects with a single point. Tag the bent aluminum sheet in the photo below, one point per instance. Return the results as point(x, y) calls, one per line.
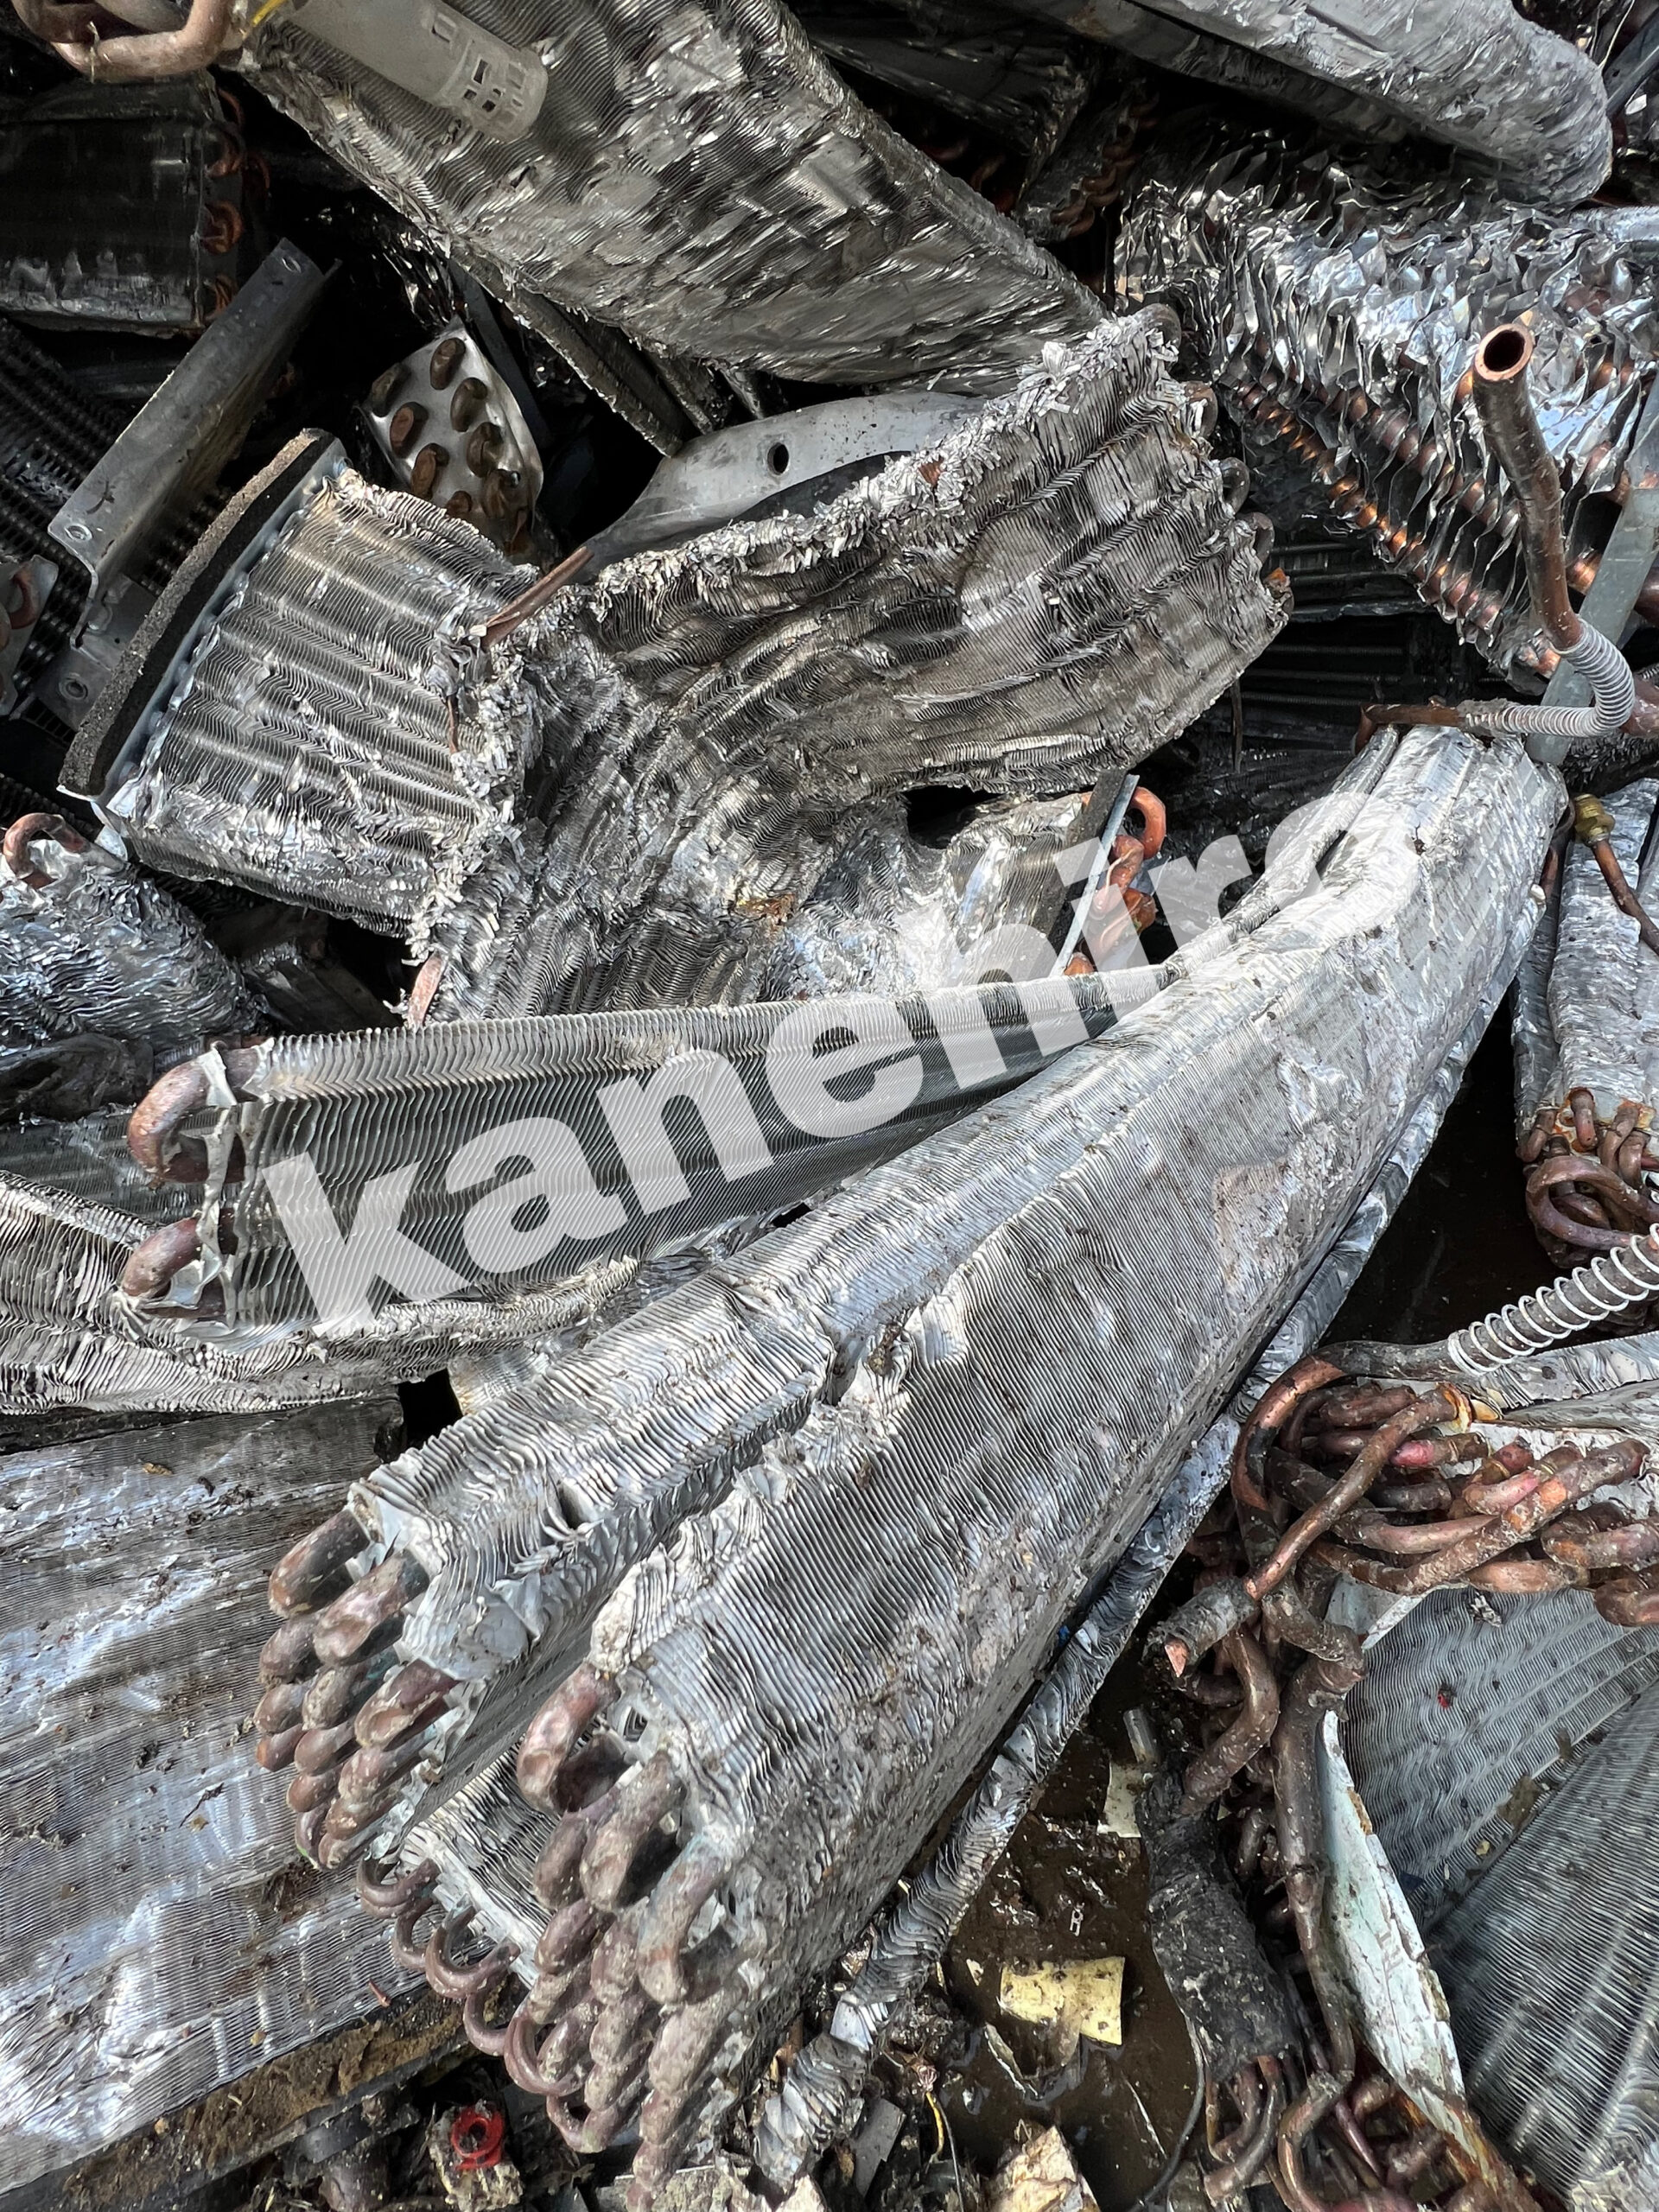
point(702, 178)
point(1337, 305)
point(161, 1940)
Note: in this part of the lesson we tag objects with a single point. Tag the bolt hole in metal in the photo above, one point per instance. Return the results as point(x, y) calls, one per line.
point(777, 458)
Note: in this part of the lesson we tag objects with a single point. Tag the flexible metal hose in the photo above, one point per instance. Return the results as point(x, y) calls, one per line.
point(1613, 699)
point(1591, 1293)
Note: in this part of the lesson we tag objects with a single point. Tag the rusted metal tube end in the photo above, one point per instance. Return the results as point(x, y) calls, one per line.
point(647, 1797)
point(346, 1626)
point(414, 1695)
point(1198, 1625)
point(153, 1264)
point(666, 1919)
point(21, 834)
point(552, 1735)
point(153, 1125)
point(1504, 405)
point(312, 1571)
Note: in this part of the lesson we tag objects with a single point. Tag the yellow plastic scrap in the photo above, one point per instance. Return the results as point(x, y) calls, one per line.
point(1082, 1996)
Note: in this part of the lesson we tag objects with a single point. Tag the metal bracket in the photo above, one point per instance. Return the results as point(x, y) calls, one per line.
point(715, 478)
point(175, 446)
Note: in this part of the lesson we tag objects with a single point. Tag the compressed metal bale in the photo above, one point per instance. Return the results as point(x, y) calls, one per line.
point(90, 946)
point(703, 180)
point(1054, 589)
point(1479, 77)
point(156, 1949)
point(1335, 302)
point(956, 1493)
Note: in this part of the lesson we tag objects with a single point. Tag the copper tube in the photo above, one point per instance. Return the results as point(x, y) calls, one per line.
point(312, 1573)
point(1589, 1550)
point(1379, 1533)
point(196, 44)
point(1210, 1772)
point(152, 1264)
point(552, 1734)
point(1569, 1477)
point(1522, 1578)
point(1504, 405)
point(1632, 1601)
point(22, 833)
point(1268, 1416)
point(1549, 1218)
point(531, 602)
point(1592, 823)
point(666, 1920)
point(1244, 2162)
point(651, 1794)
point(53, 23)
point(1413, 1497)
point(1484, 1498)
point(1442, 1404)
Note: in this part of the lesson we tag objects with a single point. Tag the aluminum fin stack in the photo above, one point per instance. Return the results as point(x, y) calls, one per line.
point(891, 1341)
point(1334, 305)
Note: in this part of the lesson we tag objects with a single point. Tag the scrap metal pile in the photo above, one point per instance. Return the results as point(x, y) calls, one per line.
point(704, 1004)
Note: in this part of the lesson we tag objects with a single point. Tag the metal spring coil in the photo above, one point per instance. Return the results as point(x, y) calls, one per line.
point(1593, 1293)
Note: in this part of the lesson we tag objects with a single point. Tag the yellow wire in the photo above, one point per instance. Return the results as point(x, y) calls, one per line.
point(265, 7)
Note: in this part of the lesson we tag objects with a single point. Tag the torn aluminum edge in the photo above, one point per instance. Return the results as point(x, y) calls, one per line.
point(90, 945)
point(1492, 1740)
point(1039, 1151)
point(1111, 590)
point(1335, 306)
point(819, 2096)
point(1059, 586)
point(707, 184)
point(1472, 74)
point(160, 1948)
point(1588, 1016)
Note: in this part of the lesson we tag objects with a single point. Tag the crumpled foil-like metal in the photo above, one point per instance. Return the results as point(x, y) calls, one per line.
point(98, 947)
point(1473, 73)
point(1055, 588)
point(1337, 307)
point(1155, 1199)
point(1587, 1013)
point(310, 749)
point(1506, 1751)
point(702, 179)
point(157, 1947)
